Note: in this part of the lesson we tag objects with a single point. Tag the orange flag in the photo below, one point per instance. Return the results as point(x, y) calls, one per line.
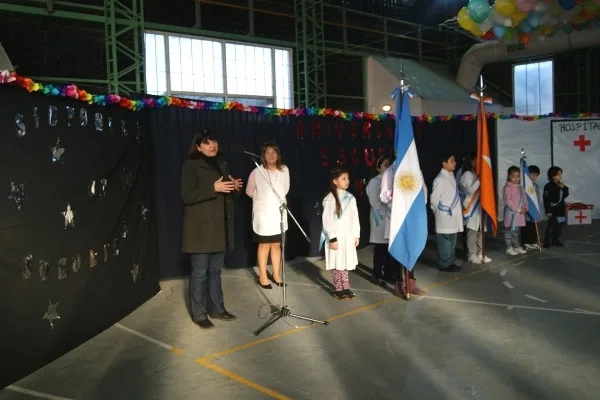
point(483, 169)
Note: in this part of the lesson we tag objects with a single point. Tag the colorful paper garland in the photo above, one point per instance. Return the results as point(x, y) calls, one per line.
point(73, 92)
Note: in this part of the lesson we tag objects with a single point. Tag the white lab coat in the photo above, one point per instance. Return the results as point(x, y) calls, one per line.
point(387, 193)
point(469, 184)
point(379, 212)
point(444, 194)
point(266, 217)
point(345, 229)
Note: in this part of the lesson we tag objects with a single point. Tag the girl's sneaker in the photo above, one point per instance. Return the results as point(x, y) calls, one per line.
point(484, 259)
point(521, 250)
point(340, 295)
point(534, 247)
point(528, 247)
point(349, 293)
point(475, 259)
point(512, 251)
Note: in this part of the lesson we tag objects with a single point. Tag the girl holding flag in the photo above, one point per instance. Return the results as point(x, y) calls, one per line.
point(469, 186)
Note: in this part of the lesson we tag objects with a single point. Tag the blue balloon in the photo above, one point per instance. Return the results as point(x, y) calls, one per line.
point(499, 31)
point(524, 27)
point(534, 19)
point(566, 4)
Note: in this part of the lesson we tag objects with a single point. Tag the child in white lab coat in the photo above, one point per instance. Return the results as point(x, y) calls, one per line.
point(341, 232)
point(447, 208)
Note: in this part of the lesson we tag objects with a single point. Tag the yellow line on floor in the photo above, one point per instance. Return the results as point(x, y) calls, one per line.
point(251, 344)
point(347, 313)
point(242, 380)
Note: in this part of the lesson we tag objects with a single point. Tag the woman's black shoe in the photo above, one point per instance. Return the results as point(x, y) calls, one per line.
point(224, 316)
point(267, 286)
point(205, 324)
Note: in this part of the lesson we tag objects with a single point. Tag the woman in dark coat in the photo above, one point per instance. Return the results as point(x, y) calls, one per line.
point(207, 190)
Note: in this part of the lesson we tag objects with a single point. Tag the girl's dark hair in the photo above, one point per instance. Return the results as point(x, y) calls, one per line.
point(204, 136)
point(512, 169)
point(467, 164)
point(275, 147)
point(533, 169)
point(333, 175)
point(380, 161)
point(553, 171)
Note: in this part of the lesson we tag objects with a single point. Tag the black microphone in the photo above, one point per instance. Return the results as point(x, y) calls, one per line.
point(251, 154)
point(239, 149)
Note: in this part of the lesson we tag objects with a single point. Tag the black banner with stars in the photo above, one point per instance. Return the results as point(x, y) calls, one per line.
point(77, 229)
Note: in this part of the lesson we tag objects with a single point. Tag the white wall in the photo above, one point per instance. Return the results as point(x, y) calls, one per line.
point(380, 83)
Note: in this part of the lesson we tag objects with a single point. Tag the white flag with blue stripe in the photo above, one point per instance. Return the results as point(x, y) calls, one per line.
point(530, 192)
point(408, 221)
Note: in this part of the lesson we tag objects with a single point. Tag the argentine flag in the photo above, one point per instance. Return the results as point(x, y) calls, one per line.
point(408, 221)
point(529, 189)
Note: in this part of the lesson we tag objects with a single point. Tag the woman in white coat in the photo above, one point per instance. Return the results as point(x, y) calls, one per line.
point(378, 220)
point(266, 216)
point(469, 186)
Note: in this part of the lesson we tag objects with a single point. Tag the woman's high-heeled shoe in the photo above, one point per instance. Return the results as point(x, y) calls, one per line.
point(272, 279)
point(267, 286)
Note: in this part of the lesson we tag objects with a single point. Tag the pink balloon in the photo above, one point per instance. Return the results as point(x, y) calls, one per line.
point(525, 5)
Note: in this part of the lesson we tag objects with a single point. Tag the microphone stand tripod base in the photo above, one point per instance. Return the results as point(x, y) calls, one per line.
point(284, 313)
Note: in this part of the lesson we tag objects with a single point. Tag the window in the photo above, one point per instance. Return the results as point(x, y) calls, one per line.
point(155, 64)
point(533, 88)
point(213, 70)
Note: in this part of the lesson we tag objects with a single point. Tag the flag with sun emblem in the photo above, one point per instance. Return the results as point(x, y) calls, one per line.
point(408, 221)
point(530, 193)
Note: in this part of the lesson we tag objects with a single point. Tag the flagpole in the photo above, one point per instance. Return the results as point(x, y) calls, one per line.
point(479, 140)
point(404, 269)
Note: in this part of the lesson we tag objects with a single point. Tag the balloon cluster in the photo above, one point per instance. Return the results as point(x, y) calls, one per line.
point(527, 19)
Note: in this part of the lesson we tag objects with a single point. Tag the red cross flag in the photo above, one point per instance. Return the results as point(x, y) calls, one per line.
point(576, 149)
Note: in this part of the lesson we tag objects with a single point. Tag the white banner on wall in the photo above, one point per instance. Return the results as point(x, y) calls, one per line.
point(576, 149)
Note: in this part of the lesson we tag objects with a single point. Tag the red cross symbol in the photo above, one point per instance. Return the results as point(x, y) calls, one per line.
point(582, 143)
point(581, 217)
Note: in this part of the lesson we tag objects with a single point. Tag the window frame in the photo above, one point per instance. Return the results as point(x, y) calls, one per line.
point(226, 95)
point(527, 106)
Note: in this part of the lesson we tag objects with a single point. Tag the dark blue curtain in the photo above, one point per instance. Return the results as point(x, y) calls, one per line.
point(310, 147)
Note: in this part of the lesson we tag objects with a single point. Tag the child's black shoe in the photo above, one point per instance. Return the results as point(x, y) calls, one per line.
point(349, 293)
point(340, 295)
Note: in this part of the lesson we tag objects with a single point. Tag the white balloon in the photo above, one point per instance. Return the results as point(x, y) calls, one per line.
point(566, 16)
point(548, 20)
point(499, 19)
point(542, 6)
point(486, 25)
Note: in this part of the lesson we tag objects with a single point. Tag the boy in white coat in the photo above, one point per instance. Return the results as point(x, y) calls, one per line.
point(447, 208)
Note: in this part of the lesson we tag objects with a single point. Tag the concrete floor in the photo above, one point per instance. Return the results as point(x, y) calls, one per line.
point(523, 327)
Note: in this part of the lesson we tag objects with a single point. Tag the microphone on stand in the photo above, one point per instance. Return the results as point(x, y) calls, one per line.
point(250, 154)
point(240, 149)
